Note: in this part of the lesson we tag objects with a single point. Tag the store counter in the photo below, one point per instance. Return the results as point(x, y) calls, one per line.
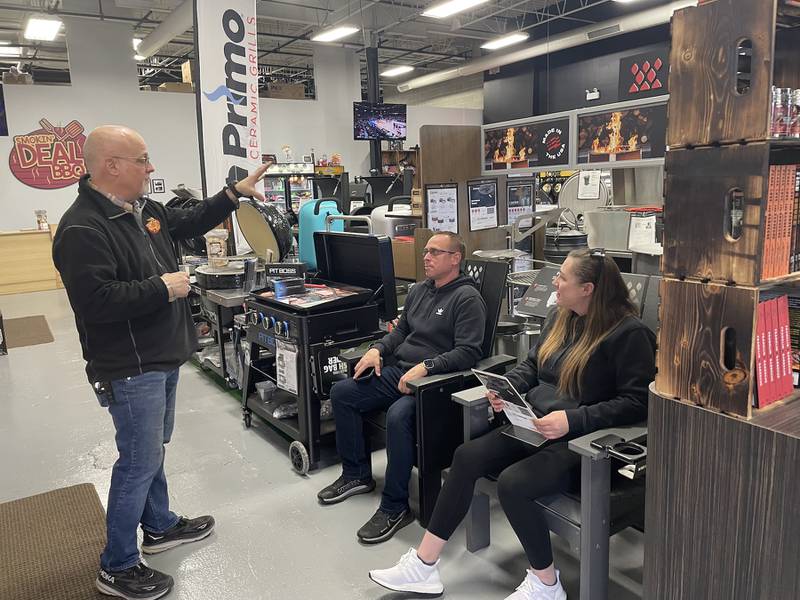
point(26, 263)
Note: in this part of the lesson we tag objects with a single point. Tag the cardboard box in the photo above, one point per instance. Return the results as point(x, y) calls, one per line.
point(287, 91)
point(416, 202)
point(186, 71)
point(17, 79)
point(405, 264)
point(171, 86)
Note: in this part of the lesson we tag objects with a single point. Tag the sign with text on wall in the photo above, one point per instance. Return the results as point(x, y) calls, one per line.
point(229, 126)
point(49, 158)
point(541, 143)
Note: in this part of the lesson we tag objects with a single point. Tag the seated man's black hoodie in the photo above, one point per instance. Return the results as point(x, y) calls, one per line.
point(443, 324)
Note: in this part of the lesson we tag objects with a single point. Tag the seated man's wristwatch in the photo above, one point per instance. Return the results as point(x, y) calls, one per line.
point(428, 364)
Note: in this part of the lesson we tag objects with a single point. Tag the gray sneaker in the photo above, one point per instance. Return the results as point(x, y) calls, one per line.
point(343, 488)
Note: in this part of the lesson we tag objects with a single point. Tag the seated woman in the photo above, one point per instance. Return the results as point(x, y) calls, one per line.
point(590, 370)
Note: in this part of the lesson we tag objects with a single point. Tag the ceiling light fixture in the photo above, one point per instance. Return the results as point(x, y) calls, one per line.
point(44, 30)
point(399, 70)
point(139, 57)
point(10, 52)
point(451, 7)
point(506, 40)
point(333, 34)
point(136, 42)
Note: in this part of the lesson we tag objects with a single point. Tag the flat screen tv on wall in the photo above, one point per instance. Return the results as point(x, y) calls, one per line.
point(379, 121)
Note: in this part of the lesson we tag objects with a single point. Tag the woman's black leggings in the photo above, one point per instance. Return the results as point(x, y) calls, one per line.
point(526, 473)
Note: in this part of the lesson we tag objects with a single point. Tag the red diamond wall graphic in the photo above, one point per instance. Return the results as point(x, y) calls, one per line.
point(645, 77)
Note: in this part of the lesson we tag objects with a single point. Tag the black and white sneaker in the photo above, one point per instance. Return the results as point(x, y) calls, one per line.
point(140, 582)
point(342, 489)
point(185, 531)
point(383, 526)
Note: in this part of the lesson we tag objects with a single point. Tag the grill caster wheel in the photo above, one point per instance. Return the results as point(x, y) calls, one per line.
point(299, 457)
point(248, 419)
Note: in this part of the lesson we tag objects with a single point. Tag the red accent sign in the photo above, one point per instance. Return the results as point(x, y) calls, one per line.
point(645, 78)
point(49, 158)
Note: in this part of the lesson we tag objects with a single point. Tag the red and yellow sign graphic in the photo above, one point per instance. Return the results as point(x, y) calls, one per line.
point(49, 158)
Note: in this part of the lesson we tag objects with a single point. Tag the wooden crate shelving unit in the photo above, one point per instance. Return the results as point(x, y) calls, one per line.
point(726, 55)
point(722, 509)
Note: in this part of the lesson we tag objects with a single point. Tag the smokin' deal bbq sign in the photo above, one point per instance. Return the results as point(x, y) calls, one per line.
point(49, 158)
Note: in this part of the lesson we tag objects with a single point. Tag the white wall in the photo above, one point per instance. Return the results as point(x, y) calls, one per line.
point(104, 91)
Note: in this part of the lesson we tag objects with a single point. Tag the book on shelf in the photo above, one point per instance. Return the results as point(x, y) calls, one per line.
point(794, 335)
point(780, 222)
point(774, 373)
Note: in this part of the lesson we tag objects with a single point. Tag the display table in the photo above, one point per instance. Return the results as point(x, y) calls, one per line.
point(26, 262)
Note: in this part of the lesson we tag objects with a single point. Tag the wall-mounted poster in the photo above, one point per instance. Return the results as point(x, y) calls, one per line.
point(527, 145)
point(441, 207)
point(49, 158)
point(631, 134)
point(482, 195)
point(520, 199)
point(644, 75)
point(3, 121)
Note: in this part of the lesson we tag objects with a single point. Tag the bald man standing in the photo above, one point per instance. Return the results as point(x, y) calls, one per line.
point(114, 250)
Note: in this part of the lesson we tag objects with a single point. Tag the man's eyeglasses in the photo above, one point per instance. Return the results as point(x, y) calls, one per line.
point(436, 252)
point(139, 160)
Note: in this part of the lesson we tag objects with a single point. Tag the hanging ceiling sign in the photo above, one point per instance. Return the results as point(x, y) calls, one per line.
point(49, 158)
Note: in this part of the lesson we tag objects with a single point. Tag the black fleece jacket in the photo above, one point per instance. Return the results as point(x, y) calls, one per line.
point(112, 273)
point(614, 385)
point(444, 324)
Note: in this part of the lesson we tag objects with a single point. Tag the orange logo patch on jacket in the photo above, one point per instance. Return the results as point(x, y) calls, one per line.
point(153, 225)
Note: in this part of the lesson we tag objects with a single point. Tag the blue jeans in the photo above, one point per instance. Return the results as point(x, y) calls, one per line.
point(351, 399)
point(143, 410)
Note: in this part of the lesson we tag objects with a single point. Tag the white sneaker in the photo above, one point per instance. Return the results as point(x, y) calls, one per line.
point(410, 574)
point(532, 588)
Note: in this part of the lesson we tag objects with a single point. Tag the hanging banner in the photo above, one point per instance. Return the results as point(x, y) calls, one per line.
point(229, 128)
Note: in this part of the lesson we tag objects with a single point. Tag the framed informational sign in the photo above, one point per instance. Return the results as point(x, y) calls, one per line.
point(520, 196)
point(482, 196)
point(526, 145)
point(630, 134)
point(441, 207)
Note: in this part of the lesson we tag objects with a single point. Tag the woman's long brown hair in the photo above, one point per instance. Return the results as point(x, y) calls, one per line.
point(609, 305)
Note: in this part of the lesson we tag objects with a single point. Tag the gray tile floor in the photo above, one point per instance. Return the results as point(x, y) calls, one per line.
point(273, 541)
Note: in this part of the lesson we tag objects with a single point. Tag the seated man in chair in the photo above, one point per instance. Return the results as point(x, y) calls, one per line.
point(440, 330)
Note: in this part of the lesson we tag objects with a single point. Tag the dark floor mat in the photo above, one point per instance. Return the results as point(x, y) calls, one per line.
point(27, 331)
point(50, 545)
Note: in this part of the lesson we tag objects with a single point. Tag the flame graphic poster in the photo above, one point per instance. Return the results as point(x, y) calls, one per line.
point(544, 143)
point(632, 134)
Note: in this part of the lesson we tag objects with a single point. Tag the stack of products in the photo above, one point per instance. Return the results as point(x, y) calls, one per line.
point(785, 121)
point(773, 351)
point(794, 334)
point(781, 254)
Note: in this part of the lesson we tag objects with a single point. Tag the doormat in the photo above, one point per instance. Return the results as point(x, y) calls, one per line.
point(27, 331)
point(51, 545)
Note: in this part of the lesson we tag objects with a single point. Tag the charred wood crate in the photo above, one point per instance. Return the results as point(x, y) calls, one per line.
point(726, 348)
point(732, 213)
point(726, 56)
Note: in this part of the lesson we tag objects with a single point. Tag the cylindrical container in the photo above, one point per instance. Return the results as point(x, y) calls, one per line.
point(217, 248)
point(781, 112)
point(794, 126)
point(559, 243)
point(41, 220)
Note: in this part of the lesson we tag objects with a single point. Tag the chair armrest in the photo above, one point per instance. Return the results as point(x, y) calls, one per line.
point(351, 358)
point(493, 364)
point(583, 444)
